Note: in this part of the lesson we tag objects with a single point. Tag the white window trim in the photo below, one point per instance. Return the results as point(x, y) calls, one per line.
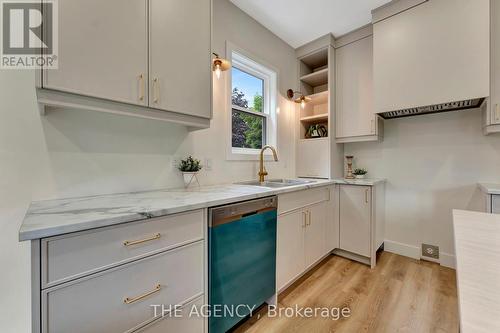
point(254, 66)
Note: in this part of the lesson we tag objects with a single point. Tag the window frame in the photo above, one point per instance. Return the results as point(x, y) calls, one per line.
point(251, 65)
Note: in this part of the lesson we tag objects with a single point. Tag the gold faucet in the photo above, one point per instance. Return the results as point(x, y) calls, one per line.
point(262, 171)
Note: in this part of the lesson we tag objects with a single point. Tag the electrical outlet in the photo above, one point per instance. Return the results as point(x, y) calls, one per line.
point(208, 164)
point(174, 162)
point(430, 251)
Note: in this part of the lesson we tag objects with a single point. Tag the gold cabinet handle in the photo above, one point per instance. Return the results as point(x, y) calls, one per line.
point(129, 300)
point(141, 87)
point(130, 243)
point(497, 112)
point(156, 90)
point(304, 219)
point(309, 217)
point(366, 195)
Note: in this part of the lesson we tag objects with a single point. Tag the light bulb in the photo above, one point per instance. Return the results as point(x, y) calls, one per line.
point(217, 71)
point(303, 103)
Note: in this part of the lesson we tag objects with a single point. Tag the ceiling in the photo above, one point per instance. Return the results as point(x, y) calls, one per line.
point(298, 22)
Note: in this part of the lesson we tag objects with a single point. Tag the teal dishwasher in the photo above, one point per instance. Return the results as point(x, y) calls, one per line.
point(242, 260)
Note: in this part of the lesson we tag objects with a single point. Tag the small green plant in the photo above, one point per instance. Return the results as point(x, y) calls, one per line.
point(360, 172)
point(190, 164)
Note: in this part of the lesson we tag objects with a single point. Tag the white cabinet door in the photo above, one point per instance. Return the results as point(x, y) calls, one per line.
point(313, 158)
point(433, 53)
point(290, 247)
point(495, 63)
point(180, 56)
point(315, 233)
point(495, 204)
point(354, 99)
point(102, 50)
point(355, 219)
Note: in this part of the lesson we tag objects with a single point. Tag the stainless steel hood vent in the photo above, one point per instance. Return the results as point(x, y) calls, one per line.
point(445, 107)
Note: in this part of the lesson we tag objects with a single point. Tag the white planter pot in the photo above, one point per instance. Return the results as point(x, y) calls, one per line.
point(360, 176)
point(190, 179)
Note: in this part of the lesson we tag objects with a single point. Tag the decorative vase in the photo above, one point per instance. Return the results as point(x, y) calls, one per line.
point(349, 167)
point(360, 176)
point(190, 179)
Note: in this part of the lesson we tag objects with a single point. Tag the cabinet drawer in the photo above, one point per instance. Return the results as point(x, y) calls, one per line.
point(294, 200)
point(97, 303)
point(74, 255)
point(495, 204)
point(181, 324)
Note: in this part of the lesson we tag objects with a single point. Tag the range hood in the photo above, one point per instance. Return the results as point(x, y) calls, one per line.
point(430, 56)
point(444, 107)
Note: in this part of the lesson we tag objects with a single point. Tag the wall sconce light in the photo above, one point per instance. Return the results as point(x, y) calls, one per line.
point(298, 97)
point(219, 65)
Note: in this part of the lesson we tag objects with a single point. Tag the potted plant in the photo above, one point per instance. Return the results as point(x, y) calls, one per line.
point(359, 173)
point(190, 167)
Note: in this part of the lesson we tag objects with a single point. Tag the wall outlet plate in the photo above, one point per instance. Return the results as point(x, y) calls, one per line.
point(430, 251)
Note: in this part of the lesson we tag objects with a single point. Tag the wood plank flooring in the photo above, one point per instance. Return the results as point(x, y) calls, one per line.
point(399, 295)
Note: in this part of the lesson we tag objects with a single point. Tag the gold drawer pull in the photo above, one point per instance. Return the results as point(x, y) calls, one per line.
point(129, 300)
point(129, 243)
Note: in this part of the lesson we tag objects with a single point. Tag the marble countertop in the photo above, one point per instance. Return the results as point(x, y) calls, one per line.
point(489, 188)
point(362, 182)
point(477, 247)
point(60, 216)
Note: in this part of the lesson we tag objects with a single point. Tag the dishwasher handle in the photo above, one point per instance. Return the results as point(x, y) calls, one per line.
point(233, 212)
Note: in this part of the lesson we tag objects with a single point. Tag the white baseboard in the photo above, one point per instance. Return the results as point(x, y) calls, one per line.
point(402, 249)
point(411, 251)
point(447, 260)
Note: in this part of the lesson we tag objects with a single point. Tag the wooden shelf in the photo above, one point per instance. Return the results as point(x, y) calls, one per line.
point(323, 138)
point(316, 78)
point(316, 117)
point(319, 98)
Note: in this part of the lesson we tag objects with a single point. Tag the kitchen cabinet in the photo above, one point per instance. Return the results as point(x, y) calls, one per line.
point(152, 61)
point(355, 219)
point(76, 284)
point(495, 204)
point(361, 220)
point(355, 117)
point(491, 109)
point(180, 56)
point(313, 158)
point(315, 233)
point(303, 233)
point(446, 40)
point(290, 256)
point(102, 54)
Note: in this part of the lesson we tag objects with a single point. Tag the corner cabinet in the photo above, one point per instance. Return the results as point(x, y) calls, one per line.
point(355, 117)
point(151, 61)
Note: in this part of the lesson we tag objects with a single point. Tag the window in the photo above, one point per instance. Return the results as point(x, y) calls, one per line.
point(253, 106)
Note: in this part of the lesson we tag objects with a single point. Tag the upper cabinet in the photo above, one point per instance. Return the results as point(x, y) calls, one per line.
point(153, 60)
point(435, 52)
point(492, 108)
point(180, 56)
point(102, 54)
point(355, 119)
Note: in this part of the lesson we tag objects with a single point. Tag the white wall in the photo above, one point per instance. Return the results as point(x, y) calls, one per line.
point(75, 153)
point(432, 164)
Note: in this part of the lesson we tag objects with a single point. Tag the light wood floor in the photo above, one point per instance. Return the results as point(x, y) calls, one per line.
point(399, 295)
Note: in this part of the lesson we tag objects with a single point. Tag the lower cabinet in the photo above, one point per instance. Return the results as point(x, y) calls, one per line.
point(156, 262)
point(355, 219)
point(495, 204)
point(361, 220)
point(302, 238)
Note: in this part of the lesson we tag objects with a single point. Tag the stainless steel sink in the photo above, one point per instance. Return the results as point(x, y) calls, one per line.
point(278, 182)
